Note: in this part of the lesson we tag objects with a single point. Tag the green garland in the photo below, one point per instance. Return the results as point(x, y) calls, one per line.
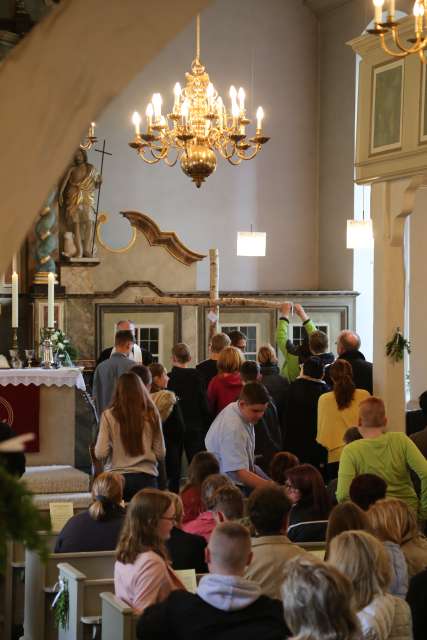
point(61, 605)
point(395, 348)
point(19, 519)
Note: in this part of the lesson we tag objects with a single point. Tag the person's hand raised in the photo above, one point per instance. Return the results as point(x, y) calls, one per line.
point(300, 312)
point(285, 309)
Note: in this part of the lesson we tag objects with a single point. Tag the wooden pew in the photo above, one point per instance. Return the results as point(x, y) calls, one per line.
point(118, 619)
point(40, 581)
point(84, 602)
point(12, 583)
point(318, 549)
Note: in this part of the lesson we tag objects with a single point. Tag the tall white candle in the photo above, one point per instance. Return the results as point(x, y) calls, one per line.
point(51, 300)
point(15, 300)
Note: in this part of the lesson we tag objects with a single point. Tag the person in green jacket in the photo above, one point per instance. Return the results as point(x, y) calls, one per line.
point(291, 368)
point(389, 455)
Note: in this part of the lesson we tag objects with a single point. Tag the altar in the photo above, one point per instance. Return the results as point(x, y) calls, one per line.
point(42, 401)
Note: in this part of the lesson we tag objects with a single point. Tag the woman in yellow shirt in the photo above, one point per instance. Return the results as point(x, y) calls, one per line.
point(338, 410)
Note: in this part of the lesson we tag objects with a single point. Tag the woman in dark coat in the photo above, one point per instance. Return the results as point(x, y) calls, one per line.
point(304, 394)
point(277, 385)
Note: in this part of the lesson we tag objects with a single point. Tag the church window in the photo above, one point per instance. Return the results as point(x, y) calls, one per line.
point(149, 338)
point(297, 332)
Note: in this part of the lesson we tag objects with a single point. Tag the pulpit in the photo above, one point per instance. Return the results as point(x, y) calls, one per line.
point(42, 401)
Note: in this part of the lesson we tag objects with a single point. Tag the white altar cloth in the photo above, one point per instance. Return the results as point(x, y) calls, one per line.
point(63, 377)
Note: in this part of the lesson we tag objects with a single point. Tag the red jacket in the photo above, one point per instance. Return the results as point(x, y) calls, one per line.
point(222, 390)
point(192, 503)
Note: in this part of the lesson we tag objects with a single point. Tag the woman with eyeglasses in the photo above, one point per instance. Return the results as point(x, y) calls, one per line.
point(308, 518)
point(142, 572)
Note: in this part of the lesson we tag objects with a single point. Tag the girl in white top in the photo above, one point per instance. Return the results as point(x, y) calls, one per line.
point(130, 438)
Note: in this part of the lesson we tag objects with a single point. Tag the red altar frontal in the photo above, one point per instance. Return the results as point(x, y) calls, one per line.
point(42, 402)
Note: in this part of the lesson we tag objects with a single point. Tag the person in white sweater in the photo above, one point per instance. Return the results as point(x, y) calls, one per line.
point(364, 560)
point(130, 438)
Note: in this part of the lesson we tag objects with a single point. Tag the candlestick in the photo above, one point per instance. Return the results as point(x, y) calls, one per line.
point(15, 300)
point(51, 300)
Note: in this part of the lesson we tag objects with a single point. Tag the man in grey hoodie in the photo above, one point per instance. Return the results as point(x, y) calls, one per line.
point(225, 607)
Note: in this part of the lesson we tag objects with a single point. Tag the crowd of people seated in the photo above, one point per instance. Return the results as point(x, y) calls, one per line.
point(295, 504)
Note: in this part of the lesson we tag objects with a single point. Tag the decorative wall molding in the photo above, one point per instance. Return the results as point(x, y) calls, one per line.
point(167, 239)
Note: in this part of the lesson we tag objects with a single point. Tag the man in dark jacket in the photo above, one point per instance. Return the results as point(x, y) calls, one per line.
point(268, 434)
point(208, 368)
point(185, 382)
point(348, 345)
point(303, 396)
point(225, 606)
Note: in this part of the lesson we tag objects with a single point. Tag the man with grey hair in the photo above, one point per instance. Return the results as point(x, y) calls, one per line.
point(348, 348)
point(225, 605)
point(135, 354)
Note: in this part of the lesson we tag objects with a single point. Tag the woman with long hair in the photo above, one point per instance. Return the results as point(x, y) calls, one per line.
point(142, 573)
point(317, 602)
point(394, 520)
point(130, 437)
point(364, 561)
point(384, 520)
point(338, 410)
point(226, 386)
point(202, 465)
point(98, 528)
point(308, 517)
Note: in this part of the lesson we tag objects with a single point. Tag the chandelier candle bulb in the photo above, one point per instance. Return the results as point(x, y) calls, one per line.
point(15, 300)
point(136, 121)
point(391, 8)
point(235, 112)
point(157, 106)
point(259, 119)
point(378, 4)
point(149, 113)
point(92, 130)
point(51, 300)
point(177, 94)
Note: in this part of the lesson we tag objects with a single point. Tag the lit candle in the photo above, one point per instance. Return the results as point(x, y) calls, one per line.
point(51, 300)
point(378, 4)
point(157, 106)
point(15, 300)
point(418, 15)
point(184, 113)
point(241, 95)
point(177, 94)
point(149, 114)
point(232, 93)
point(391, 8)
point(235, 113)
point(259, 118)
point(92, 130)
point(136, 120)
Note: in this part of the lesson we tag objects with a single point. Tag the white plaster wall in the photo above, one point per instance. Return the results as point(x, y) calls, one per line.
point(336, 136)
point(270, 48)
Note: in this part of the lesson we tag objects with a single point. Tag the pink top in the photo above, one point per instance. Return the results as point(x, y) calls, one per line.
point(147, 581)
point(203, 525)
point(222, 390)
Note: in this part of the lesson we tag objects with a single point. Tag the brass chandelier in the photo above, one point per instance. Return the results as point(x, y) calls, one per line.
point(417, 44)
point(200, 126)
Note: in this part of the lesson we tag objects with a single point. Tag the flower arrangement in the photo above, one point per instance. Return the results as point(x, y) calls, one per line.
point(64, 352)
